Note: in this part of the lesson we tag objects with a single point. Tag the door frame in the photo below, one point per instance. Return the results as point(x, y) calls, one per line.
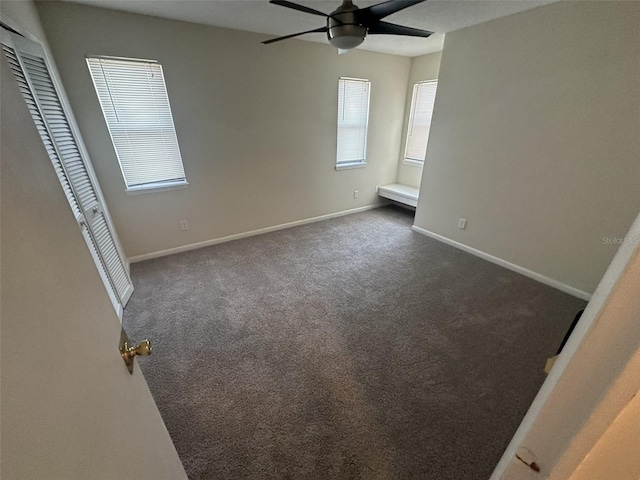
point(593, 380)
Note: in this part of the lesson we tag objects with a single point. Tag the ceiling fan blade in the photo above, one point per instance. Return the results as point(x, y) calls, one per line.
point(384, 9)
point(321, 29)
point(295, 6)
point(385, 28)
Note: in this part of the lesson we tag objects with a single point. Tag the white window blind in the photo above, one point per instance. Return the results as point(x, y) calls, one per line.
point(424, 95)
point(353, 117)
point(135, 104)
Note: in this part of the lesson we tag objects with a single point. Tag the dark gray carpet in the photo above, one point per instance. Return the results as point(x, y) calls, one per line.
point(351, 348)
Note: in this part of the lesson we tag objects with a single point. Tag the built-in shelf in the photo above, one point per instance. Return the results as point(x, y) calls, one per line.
point(400, 193)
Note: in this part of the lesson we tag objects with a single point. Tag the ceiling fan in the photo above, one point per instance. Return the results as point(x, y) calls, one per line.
point(348, 25)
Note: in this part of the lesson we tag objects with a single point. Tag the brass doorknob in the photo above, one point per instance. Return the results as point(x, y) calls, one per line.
point(128, 352)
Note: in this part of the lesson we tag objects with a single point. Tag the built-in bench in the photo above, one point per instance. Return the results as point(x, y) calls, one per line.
point(400, 193)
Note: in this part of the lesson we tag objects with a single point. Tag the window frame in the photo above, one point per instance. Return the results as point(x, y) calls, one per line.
point(414, 95)
point(147, 187)
point(346, 165)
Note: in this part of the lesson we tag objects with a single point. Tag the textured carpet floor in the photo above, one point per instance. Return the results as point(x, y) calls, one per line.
point(351, 348)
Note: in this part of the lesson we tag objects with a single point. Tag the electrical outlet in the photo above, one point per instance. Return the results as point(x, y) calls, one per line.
point(355, 194)
point(462, 223)
point(184, 225)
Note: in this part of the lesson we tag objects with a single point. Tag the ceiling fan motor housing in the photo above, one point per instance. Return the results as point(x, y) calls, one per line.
point(344, 30)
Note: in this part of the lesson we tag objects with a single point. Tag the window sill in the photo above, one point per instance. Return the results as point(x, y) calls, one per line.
point(347, 166)
point(413, 163)
point(157, 187)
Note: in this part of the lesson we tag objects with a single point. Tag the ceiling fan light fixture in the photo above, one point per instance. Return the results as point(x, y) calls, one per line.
point(346, 36)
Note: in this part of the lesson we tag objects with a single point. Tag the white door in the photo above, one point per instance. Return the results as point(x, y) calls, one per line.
point(70, 408)
point(70, 160)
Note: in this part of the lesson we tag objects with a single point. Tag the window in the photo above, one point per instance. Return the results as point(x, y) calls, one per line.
point(353, 116)
point(134, 101)
point(424, 95)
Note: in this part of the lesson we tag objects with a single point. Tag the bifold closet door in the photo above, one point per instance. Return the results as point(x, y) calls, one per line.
point(49, 112)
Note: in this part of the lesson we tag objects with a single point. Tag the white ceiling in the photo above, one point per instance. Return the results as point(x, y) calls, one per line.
point(439, 16)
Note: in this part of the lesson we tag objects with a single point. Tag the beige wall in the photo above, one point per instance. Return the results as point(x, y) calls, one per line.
point(70, 409)
point(423, 68)
point(256, 124)
point(24, 13)
point(536, 138)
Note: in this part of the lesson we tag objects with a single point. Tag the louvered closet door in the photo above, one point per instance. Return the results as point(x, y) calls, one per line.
point(31, 71)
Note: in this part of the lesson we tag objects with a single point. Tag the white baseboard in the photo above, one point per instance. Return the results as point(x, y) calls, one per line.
point(260, 231)
point(563, 287)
